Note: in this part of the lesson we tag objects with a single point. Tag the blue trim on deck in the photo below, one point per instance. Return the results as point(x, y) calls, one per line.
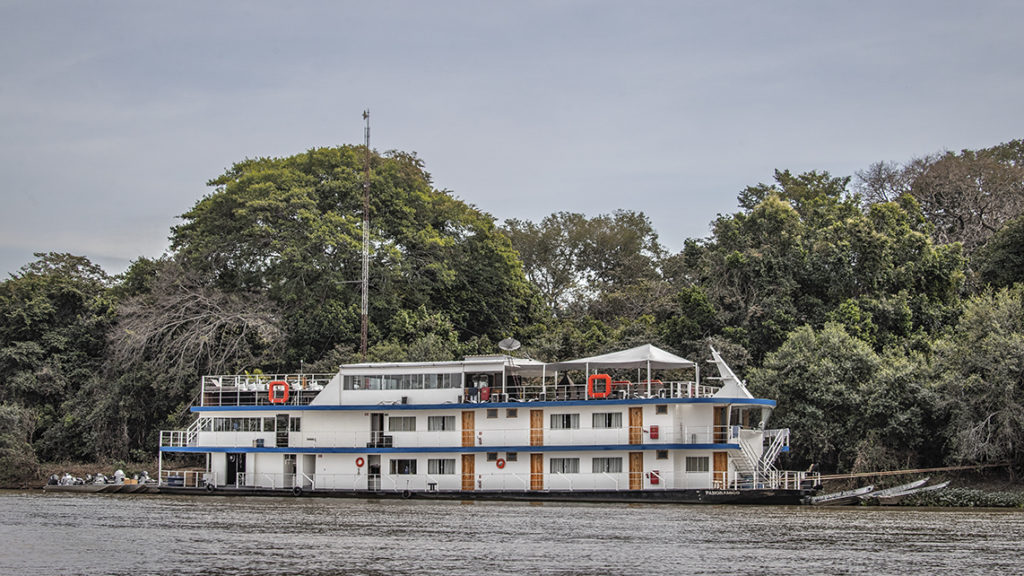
point(451, 449)
point(484, 405)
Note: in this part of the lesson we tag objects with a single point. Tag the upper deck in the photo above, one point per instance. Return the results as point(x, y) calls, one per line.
point(481, 379)
point(644, 372)
point(254, 389)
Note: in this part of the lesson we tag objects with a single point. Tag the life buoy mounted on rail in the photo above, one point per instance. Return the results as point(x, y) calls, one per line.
point(272, 392)
point(607, 386)
point(360, 462)
point(500, 463)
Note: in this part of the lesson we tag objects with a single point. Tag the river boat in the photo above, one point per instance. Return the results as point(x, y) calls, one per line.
point(635, 425)
point(894, 490)
point(843, 498)
point(103, 488)
point(893, 499)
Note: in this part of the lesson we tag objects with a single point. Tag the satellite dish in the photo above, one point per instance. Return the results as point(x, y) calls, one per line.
point(509, 344)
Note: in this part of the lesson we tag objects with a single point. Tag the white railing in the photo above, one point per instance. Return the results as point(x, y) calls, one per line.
point(187, 437)
point(621, 389)
point(187, 478)
point(254, 389)
point(200, 433)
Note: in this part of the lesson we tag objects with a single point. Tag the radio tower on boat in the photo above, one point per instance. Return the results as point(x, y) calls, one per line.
point(366, 238)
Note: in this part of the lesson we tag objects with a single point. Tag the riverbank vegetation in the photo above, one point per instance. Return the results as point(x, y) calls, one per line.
point(884, 311)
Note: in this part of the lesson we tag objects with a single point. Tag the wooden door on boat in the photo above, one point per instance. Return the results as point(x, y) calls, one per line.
point(636, 470)
point(636, 425)
point(721, 470)
point(536, 427)
point(468, 427)
point(720, 428)
point(468, 471)
point(536, 471)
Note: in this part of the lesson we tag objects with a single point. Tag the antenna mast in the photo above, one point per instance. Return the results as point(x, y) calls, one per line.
point(366, 237)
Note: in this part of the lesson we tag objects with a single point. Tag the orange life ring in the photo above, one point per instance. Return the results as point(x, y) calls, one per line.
point(273, 397)
point(607, 386)
point(500, 463)
point(360, 462)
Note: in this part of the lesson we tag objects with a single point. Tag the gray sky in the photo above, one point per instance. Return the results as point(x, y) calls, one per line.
point(113, 115)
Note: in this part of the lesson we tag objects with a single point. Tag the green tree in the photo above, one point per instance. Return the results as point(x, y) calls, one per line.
point(17, 458)
point(815, 377)
point(56, 312)
point(805, 252)
point(291, 227)
point(574, 260)
point(1000, 262)
point(979, 370)
point(966, 197)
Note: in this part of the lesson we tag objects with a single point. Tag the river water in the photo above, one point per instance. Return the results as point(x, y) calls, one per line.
point(66, 534)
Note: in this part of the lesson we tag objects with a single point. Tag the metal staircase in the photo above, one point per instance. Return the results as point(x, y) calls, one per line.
point(760, 472)
point(780, 441)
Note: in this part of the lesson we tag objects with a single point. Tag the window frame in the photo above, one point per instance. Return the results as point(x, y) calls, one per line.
point(396, 466)
point(607, 463)
point(441, 466)
point(565, 421)
point(697, 464)
point(566, 465)
point(445, 421)
point(608, 418)
point(392, 420)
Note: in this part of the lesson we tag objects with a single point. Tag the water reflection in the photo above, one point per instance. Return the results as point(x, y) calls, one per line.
point(111, 534)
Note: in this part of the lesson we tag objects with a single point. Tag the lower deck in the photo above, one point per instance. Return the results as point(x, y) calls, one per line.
point(628, 469)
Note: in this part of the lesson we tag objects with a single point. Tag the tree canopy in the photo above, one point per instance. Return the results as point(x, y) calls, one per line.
point(291, 228)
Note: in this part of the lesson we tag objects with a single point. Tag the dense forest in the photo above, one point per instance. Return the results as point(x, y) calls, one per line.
point(884, 311)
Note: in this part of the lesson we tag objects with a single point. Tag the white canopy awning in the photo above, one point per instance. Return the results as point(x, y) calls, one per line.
point(646, 356)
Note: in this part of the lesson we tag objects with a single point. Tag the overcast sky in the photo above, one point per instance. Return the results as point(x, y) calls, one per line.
point(114, 115)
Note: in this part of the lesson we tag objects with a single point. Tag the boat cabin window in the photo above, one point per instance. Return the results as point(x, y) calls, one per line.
point(492, 412)
point(512, 456)
point(661, 454)
point(400, 382)
point(607, 420)
point(241, 424)
point(661, 409)
point(512, 413)
point(434, 381)
point(402, 466)
point(492, 456)
point(402, 423)
point(362, 382)
point(295, 424)
point(697, 464)
point(609, 465)
point(565, 421)
point(437, 423)
point(441, 466)
point(565, 465)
